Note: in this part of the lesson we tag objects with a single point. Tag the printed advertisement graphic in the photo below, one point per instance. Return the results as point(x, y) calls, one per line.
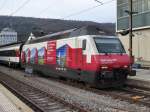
point(33, 55)
point(61, 56)
point(23, 57)
point(41, 55)
point(51, 52)
point(27, 55)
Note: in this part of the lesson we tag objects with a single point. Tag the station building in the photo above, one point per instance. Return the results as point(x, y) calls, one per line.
point(141, 28)
point(8, 35)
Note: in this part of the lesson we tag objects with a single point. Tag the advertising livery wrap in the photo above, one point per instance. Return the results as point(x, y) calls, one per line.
point(81, 54)
point(86, 54)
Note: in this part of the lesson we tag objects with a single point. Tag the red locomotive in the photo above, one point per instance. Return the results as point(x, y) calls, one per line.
point(86, 54)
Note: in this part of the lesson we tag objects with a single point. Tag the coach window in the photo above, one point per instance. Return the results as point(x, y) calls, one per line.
point(84, 44)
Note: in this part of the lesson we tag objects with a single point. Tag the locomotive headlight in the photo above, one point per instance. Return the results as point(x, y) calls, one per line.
point(125, 66)
point(104, 67)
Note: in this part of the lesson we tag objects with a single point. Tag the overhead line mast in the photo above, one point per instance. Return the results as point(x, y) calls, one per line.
point(130, 27)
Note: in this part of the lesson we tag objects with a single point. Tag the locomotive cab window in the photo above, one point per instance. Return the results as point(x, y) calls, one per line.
point(109, 45)
point(84, 44)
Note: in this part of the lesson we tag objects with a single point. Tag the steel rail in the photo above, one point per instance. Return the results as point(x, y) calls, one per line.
point(39, 100)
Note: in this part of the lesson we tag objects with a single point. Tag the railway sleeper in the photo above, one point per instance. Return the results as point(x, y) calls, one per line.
point(56, 107)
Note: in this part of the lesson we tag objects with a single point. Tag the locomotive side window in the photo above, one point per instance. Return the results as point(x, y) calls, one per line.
point(84, 44)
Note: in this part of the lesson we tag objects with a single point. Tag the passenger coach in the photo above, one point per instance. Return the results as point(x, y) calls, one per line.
point(10, 54)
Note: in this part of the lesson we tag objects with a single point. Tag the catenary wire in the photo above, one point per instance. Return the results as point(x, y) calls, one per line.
point(44, 10)
point(19, 8)
point(83, 11)
point(3, 4)
point(88, 9)
point(98, 1)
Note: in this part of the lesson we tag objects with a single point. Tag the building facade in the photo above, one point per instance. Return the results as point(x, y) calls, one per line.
point(141, 28)
point(7, 36)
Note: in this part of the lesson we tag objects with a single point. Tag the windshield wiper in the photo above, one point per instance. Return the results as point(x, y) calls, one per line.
point(106, 53)
point(121, 53)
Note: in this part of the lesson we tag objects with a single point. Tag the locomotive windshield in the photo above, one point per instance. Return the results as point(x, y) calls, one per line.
point(109, 45)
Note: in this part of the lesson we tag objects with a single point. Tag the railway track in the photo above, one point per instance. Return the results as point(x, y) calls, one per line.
point(122, 94)
point(129, 93)
point(138, 94)
point(38, 100)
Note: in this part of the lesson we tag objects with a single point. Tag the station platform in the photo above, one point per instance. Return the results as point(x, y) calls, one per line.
point(142, 78)
point(10, 103)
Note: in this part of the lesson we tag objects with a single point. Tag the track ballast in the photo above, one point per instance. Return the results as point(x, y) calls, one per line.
point(38, 100)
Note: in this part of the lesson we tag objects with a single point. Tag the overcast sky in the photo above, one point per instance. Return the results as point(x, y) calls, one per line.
point(67, 9)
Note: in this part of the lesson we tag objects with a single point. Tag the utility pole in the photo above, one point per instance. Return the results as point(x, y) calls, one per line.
point(130, 13)
point(130, 32)
point(130, 29)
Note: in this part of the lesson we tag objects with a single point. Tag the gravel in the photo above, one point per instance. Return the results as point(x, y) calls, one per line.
point(86, 99)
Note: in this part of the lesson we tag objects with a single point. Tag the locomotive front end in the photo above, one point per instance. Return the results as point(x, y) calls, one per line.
point(114, 63)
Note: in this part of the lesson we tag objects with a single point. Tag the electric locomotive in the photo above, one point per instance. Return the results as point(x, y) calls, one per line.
point(86, 54)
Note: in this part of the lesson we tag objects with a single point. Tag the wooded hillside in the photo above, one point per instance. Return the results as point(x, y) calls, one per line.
point(25, 25)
